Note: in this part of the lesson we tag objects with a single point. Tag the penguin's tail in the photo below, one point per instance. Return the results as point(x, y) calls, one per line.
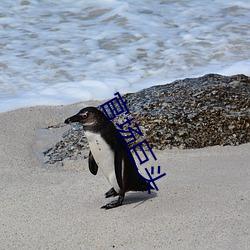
point(142, 185)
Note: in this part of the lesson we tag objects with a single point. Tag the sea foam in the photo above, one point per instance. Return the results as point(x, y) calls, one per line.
point(63, 52)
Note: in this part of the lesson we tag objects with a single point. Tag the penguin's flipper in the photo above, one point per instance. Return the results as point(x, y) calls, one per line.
point(113, 204)
point(111, 193)
point(93, 167)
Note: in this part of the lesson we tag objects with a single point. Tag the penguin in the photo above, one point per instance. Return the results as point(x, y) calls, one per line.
point(108, 152)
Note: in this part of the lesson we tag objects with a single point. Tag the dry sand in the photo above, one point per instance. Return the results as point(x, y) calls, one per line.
point(203, 202)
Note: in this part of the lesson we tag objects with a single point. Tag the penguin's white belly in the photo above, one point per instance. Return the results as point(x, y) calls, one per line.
point(104, 157)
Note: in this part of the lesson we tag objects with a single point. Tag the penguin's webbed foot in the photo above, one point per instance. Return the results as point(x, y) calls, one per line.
point(111, 193)
point(113, 204)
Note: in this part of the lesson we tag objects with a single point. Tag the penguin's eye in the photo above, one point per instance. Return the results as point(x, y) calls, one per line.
point(84, 115)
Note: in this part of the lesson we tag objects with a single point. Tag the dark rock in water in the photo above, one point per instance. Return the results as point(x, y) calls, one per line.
point(190, 113)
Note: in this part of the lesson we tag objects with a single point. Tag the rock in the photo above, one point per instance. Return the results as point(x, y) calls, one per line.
point(190, 113)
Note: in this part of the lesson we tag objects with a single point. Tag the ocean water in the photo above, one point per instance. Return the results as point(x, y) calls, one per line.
point(61, 52)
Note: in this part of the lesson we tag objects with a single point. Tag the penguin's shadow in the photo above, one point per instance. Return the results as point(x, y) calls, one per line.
point(138, 198)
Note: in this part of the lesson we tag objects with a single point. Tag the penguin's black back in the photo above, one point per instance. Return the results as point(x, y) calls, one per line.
point(131, 179)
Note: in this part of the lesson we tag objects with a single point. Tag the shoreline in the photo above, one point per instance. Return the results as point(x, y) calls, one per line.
point(202, 202)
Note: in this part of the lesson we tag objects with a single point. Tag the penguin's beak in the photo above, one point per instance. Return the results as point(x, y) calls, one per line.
point(74, 118)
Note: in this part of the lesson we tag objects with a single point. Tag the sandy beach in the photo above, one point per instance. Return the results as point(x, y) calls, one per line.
point(203, 202)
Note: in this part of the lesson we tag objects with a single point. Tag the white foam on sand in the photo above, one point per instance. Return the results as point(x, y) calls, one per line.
point(64, 52)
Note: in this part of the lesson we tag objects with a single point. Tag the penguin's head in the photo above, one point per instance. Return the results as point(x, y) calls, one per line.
point(88, 117)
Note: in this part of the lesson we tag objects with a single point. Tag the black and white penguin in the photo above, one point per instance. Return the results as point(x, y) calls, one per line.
point(109, 154)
